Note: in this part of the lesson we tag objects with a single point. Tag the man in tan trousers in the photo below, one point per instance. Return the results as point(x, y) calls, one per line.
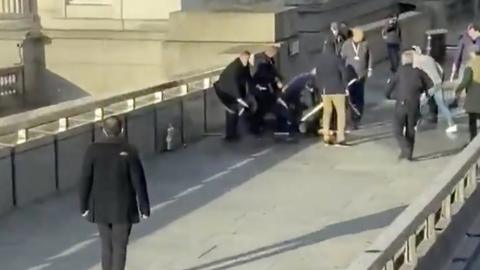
point(331, 81)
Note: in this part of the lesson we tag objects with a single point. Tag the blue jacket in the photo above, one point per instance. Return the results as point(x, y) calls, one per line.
point(296, 85)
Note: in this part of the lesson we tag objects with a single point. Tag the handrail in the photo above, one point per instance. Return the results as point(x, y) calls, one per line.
point(20, 123)
point(430, 214)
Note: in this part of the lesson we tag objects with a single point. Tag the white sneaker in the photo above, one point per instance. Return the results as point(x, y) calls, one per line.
point(452, 129)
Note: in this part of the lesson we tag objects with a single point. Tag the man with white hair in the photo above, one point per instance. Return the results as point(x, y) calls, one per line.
point(427, 64)
point(406, 87)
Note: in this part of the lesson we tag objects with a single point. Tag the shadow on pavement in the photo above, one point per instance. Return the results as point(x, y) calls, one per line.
point(354, 226)
point(439, 154)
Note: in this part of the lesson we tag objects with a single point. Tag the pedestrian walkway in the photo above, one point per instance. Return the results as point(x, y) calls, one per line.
point(255, 205)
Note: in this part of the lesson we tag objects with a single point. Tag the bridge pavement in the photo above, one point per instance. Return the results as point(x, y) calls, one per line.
point(256, 205)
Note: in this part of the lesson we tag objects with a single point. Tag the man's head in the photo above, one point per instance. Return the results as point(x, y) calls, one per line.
point(112, 126)
point(473, 31)
point(271, 51)
point(416, 49)
point(245, 57)
point(358, 35)
point(334, 27)
point(407, 57)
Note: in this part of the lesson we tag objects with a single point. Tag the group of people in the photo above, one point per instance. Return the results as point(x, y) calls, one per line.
point(254, 90)
point(113, 189)
point(419, 81)
point(336, 85)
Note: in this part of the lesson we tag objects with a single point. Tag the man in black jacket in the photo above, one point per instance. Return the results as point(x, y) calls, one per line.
point(406, 88)
point(112, 181)
point(331, 80)
point(292, 102)
point(339, 33)
point(231, 88)
point(268, 82)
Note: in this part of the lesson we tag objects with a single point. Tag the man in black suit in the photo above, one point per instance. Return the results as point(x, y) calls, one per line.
point(406, 88)
point(231, 88)
point(112, 181)
point(268, 83)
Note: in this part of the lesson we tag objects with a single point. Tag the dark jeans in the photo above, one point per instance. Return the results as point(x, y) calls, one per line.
point(472, 124)
point(114, 238)
point(231, 115)
point(433, 110)
point(393, 51)
point(357, 98)
point(406, 118)
point(288, 119)
point(266, 102)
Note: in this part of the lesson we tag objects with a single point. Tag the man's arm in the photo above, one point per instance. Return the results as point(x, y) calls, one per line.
point(369, 59)
point(458, 59)
point(427, 82)
point(137, 176)
point(466, 81)
point(86, 180)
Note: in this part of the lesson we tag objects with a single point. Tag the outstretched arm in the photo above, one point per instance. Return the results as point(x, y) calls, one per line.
point(137, 176)
point(466, 81)
point(86, 181)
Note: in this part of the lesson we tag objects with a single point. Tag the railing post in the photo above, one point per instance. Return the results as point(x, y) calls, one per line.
point(62, 124)
point(206, 83)
point(131, 104)
point(184, 89)
point(390, 265)
point(411, 258)
point(99, 114)
point(158, 96)
point(447, 209)
point(22, 136)
point(472, 181)
point(461, 192)
point(430, 228)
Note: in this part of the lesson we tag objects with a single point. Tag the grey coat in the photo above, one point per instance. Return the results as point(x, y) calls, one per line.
point(364, 61)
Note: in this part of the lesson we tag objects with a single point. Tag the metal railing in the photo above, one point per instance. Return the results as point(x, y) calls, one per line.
point(15, 7)
point(416, 229)
point(11, 82)
point(21, 128)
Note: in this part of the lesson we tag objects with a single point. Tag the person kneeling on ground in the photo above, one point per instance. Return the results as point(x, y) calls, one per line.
point(291, 103)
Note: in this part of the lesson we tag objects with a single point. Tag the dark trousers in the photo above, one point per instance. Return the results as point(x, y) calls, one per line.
point(393, 51)
point(357, 99)
point(433, 110)
point(114, 238)
point(288, 119)
point(472, 124)
point(406, 118)
point(231, 115)
point(266, 101)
